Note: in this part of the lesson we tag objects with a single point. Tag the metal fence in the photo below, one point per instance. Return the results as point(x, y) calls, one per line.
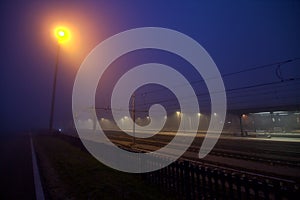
point(190, 181)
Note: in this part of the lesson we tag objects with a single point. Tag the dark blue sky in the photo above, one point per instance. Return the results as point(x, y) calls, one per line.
point(237, 34)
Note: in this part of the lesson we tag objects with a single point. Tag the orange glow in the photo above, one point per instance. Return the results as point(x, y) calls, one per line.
point(85, 31)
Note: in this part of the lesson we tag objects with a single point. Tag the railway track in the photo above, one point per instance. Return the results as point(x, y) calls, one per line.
point(223, 167)
point(257, 156)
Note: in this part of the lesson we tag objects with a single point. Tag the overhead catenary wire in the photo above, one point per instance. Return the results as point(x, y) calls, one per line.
point(199, 95)
point(248, 69)
point(230, 91)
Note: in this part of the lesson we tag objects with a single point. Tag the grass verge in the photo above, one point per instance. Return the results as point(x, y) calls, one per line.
point(70, 173)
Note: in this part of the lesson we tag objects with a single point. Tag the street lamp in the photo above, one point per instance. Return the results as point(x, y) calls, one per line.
point(62, 35)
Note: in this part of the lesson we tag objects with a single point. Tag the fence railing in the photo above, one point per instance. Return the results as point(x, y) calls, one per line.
point(193, 181)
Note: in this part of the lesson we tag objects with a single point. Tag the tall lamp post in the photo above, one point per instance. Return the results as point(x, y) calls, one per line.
point(62, 35)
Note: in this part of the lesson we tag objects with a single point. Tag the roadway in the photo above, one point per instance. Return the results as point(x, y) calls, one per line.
point(16, 173)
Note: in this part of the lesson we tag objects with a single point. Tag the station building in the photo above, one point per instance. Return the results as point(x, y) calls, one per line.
point(270, 120)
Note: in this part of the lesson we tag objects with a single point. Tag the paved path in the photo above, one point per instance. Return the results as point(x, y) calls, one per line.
point(16, 174)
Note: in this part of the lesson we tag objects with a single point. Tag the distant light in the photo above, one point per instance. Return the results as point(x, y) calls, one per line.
point(244, 116)
point(59, 129)
point(148, 117)
point(177, 113)
point(199, 114)
point(215, 114)
point(125, 117)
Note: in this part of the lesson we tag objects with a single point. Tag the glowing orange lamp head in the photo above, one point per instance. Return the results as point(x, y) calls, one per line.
point(62, 34)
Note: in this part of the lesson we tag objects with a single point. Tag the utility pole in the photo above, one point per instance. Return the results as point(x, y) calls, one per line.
point(241, 125)
point(53, 92)
point(133, 117)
